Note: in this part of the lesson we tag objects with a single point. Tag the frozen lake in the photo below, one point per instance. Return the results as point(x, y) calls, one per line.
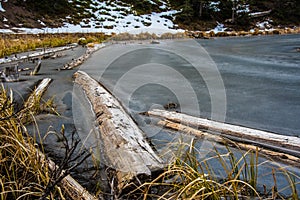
point(248, 81)
point(260, 77)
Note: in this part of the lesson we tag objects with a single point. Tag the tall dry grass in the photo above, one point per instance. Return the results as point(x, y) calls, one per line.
point(188, 177)
point(12, 43)
point(24, 172)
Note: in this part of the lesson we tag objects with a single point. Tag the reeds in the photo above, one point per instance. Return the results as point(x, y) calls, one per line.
point(189, 177)
point(24, 174)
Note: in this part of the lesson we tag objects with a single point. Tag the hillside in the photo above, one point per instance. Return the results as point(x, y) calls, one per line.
point(146, 15)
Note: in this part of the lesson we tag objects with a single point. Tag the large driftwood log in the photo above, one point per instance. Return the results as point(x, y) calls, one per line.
point(260, 14)
point(124, 146)
point(276, 156)
point(287, 144)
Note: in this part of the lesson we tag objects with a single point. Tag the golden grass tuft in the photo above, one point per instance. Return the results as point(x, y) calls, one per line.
point(24, 174)
point(11, 43)
point(188, 177)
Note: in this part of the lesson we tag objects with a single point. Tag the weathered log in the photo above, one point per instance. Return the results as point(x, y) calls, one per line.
point(287, 144)
point(124, 146)
point(68, 184)
point(33, 99)
point(189, 130)
point(260, 14)
point(36, 95)
point(276, 156)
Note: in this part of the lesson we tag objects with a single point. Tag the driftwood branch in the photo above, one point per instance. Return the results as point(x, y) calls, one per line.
point(36, 68)
point(260, 14)
point(124, 146)
point(282, 157)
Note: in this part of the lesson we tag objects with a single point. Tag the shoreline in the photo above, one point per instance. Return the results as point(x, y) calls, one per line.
point(252, 32)
point(65, 110)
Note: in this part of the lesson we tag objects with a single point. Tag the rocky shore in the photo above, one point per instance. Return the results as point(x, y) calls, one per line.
point(253, 32)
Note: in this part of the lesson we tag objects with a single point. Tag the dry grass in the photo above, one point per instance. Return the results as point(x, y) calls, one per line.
point(147, 36)
point(188, 177)
point(11, 44)
point(24, 175)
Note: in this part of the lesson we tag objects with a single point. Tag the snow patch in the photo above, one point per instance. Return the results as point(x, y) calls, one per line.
point(42, 23)
point(264, 24)
point(6, 31)
point(1, 8)
point(219, 28)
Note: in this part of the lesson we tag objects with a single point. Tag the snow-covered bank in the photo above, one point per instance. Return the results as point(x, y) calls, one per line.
point(107, 17)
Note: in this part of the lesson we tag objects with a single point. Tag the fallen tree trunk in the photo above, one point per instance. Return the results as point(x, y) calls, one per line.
point(276, 156)
point(286, 144)
point(124, 146)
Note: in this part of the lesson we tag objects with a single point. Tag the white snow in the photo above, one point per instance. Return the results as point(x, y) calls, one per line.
point(214, 5)
point(112, 18)
point(1, 8)
point(219, 28)
point(243, 8)
point(42, 23)
point(6, 31)
point(264, 25)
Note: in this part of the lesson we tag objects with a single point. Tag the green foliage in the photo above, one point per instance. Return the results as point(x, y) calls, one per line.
point(144, 6)
point(284, 12)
